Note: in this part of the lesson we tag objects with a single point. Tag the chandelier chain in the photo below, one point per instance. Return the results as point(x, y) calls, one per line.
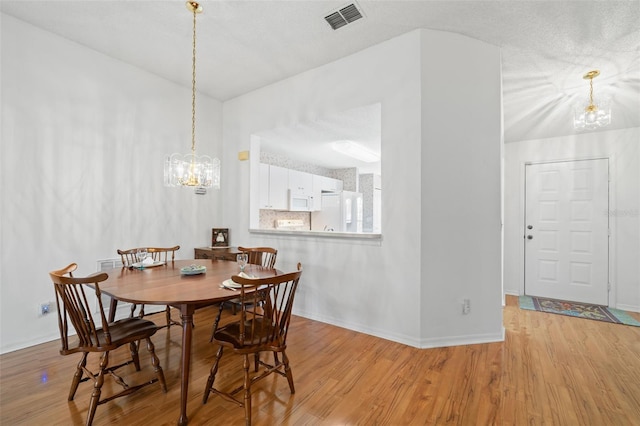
point(193, 88)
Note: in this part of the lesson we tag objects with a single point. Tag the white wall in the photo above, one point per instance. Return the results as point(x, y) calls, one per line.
point(460, 198)
point(380, 287)
point(368, 286)
point(623, 150)
point(97, 129)
point(83, 144)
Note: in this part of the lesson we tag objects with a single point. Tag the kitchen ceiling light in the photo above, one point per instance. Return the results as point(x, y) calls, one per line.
point(190, 170)
point(356, 151)
point(592, 116)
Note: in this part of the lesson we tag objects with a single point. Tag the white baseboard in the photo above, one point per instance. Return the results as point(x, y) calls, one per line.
point(630, 308)
point(473, 339)
point(399, 338)
point(409, 340)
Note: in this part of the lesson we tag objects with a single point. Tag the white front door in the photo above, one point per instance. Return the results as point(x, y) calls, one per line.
point(566, 233)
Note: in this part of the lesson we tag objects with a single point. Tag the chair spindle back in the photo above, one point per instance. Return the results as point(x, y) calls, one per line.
point(263, 256)
point(266, 309)
point(73, 306)
point(157, 254)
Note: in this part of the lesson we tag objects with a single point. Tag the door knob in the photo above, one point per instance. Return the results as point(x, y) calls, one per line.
point(529, 226)
point(529, 237)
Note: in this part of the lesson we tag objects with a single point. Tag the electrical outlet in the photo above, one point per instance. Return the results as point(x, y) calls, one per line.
point(466, 306)
point(44, 308)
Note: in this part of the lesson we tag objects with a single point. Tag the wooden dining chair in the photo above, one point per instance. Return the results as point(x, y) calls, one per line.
point(157, 254)
point(263, 256)
point(103, 337)
point(263, 325)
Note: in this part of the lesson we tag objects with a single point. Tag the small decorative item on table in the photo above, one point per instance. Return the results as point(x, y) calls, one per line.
point(220, 237)
point(193, 270)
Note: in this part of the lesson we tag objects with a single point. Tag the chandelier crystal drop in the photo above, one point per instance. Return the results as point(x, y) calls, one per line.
point(592, 116)
point(191, 170)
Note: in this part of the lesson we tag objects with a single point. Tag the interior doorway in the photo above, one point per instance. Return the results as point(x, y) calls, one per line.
point(566, 235)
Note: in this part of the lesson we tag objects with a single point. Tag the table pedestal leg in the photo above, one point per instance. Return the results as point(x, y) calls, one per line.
point(186, 314)
point(112, 309)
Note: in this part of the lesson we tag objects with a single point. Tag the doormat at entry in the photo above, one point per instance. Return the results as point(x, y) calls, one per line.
point(579, 310)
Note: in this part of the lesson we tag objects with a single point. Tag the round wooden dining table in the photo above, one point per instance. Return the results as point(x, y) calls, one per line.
point(166, 285)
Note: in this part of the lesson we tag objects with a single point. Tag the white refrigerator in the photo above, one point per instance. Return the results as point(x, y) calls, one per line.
point(340, 212)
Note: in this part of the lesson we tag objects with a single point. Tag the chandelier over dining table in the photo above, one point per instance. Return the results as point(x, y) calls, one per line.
point(191, 170)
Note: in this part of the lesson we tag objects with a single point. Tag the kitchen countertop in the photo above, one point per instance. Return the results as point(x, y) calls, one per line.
point(323, 234)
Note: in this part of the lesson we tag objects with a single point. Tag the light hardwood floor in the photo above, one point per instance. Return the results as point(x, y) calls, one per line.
point(550, 370)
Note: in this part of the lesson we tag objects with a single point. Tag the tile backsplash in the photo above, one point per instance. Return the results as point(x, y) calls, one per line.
point(268, 218)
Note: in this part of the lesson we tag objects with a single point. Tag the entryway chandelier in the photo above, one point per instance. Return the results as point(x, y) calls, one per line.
point(592, 116)
point(190, 170)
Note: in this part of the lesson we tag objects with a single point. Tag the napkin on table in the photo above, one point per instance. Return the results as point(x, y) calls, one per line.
point(229, 283)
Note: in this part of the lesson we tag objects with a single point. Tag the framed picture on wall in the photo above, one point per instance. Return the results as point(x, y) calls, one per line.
point(219, 237)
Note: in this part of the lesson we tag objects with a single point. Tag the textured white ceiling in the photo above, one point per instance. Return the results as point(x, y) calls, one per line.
point(242, 45)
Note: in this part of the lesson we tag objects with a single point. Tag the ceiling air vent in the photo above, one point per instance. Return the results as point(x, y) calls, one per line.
point(344, 16)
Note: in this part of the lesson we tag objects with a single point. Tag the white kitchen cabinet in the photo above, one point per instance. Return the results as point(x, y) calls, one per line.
point(317, 192)
point(326, 184)
point(300, 182)
point(332, 185)
point(274, 181)
point(323, 184)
